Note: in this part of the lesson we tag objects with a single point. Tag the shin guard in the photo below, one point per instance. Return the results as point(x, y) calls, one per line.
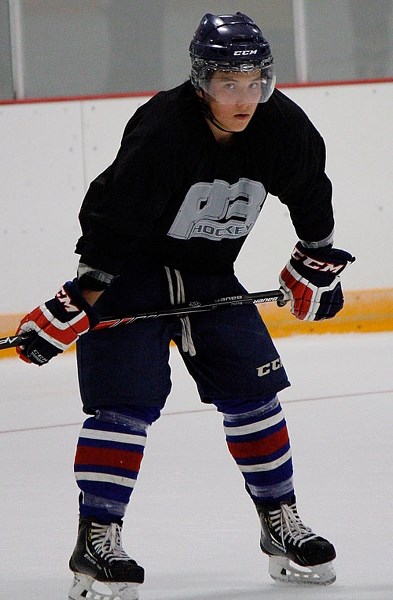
point(257, 438)
point(107, 461)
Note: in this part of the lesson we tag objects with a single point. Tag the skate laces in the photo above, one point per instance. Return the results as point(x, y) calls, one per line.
point(287, 523)
point(106, 540)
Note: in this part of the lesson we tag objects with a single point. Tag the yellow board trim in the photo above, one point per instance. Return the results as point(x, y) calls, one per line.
point(364, 311)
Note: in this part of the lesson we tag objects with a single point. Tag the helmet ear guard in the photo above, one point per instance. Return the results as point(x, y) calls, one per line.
point(230, 43)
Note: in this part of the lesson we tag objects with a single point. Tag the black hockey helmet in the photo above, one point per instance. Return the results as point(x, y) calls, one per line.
point(232, 43)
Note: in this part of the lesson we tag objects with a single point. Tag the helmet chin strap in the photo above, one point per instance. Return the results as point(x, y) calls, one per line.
point(207, 113)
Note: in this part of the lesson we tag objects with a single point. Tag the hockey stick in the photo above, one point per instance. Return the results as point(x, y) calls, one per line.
point(178, 311)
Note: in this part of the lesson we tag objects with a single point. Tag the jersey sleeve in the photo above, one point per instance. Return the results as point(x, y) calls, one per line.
point(302, 183)
point(122, 204)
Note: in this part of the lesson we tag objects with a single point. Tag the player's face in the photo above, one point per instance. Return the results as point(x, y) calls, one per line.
point(233, 98)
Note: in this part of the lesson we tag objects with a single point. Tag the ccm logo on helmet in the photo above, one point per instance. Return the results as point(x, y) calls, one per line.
point(244, 52)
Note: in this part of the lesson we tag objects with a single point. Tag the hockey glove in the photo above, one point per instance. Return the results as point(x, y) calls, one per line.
point(311, 280)
point(56, 325)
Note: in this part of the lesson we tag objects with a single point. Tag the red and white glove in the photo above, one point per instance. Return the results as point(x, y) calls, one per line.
point(311, 281)
point(56, 325)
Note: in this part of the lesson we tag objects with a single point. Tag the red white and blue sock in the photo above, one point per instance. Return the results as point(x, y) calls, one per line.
point(107, 461)
point(257, 438)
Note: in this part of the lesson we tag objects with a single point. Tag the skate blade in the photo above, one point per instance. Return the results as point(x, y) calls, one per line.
point(284, 570)
point(85, 587)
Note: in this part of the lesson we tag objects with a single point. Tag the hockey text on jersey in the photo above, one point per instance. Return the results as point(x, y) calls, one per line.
point(219, 210)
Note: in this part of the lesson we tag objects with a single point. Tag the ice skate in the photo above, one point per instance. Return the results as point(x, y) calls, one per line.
point(102, 569)
point(296, 554)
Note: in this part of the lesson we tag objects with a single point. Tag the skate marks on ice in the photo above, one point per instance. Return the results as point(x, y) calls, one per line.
point(275, 592)
point(192, 527)
point(182, 587)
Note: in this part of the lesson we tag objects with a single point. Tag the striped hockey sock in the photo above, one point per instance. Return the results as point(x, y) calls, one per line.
point(107, 461)
point(257, 438)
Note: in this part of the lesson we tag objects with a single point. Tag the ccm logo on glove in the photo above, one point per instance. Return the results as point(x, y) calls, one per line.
point(56, 325)
point(65, 300)
point(317, 265)
point(311, 281)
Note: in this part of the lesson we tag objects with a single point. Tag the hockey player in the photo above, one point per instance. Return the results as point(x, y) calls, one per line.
point(163, 225)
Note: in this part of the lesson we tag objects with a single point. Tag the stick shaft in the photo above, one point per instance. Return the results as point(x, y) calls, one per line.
point(179, 311)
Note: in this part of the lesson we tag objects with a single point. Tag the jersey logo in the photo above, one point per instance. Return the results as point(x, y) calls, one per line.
point(218, 210)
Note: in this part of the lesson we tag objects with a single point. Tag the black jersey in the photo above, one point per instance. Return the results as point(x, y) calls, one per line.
point(176, 197)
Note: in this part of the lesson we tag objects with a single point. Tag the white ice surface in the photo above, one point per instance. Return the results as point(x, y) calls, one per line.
point(190, 523)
